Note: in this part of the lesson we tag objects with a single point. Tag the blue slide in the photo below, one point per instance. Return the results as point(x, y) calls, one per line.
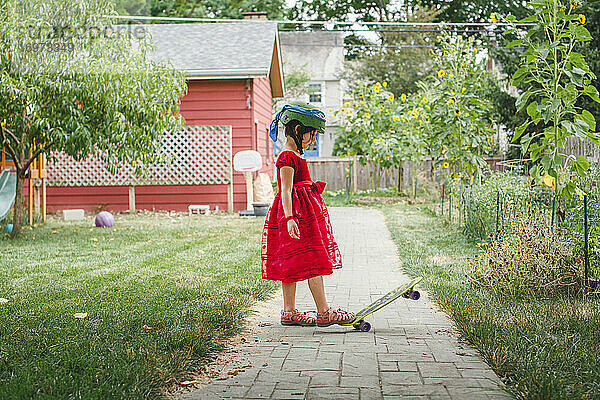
point(8, 187)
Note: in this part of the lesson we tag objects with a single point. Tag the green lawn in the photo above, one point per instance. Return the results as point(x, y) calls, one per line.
point(160, 295)
point(544, 348)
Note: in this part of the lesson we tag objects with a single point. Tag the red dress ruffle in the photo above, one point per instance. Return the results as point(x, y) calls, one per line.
point(316, 252)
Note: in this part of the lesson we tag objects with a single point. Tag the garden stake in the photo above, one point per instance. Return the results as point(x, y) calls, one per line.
point(586, 244)
point(443, 187)
point(497, 210)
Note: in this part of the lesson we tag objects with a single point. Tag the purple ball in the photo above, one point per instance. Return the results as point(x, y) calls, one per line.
point(105, 220)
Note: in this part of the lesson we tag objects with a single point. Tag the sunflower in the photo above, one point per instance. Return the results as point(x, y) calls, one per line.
point(384, 84)
point(396, 118)
point(441, 73)
point(493, 17)
point(582, 18)
point(456, 112)
point(403, 97)
point(404, 132)
point(424, 100)
point(446, 165)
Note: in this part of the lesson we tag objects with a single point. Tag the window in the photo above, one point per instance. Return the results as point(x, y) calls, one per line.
point(315, 93)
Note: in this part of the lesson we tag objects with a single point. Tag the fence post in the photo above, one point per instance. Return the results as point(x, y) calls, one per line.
point(415, 187)
point(443, 188)
point(497, 210)
point(349, 180)
point(553, 212)
point(586, 255)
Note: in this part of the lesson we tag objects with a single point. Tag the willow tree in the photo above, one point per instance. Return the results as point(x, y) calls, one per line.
point(71, 80)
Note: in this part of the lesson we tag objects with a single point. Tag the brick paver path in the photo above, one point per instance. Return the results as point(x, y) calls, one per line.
point(411, 352)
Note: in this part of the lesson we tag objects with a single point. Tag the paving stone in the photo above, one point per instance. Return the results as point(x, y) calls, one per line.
point(260, 391)
point(438, 370)
point(333, 393)
point(288, 394)
point(415, 390)
point(401, 378)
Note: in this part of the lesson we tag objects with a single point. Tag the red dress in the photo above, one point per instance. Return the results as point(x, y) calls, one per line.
point(316, 252)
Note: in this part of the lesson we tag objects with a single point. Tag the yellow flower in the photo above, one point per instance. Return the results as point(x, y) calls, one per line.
point(384, 84)
point(349, 111)
point(549, 180)
point(427, 107)
point(380, 108)
point(329, 109)
point(420, 123)
point(582, 18)
point(451, 101)
point(441, 73)
point(450, 76)
point(446, 165)
point(404, 132)
point(445, 54)
point(463, 90)
point(343, 110)
point(362, 102)
point(403, 97)
point(347, 104)
point(7, 55)
point(425, 100)
point(474, 50)
point(367, 114)
point(396, 118)
point(493, 17)
point(456, 112)
point(391, 97)
point(580, 193)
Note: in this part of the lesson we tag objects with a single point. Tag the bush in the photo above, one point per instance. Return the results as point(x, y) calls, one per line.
point(528, 260)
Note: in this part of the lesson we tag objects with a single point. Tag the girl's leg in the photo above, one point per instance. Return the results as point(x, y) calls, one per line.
point(318, 292)
point(289, 296)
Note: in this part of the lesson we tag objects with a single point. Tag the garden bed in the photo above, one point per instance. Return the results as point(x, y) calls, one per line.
point(542, 347)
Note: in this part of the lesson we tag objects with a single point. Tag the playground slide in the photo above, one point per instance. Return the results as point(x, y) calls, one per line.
point(8, 183)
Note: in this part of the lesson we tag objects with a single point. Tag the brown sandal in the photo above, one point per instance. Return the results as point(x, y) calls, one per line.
point(332, 316)
point(296, 317)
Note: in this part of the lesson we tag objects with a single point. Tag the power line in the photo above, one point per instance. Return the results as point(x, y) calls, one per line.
point(143, 17)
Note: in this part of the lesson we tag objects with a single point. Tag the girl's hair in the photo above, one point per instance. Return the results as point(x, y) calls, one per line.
point(290, 130)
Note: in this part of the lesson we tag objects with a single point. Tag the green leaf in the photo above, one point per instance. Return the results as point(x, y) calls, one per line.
point(515, 43)
point(520, 130)
point(582, 34)
point(592, 92)
point(520, 74)
point(532, 110)
point(531, 18)
point(589, 119)
point(522, 100)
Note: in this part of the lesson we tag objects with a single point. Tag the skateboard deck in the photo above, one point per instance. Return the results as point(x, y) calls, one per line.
point(405, 290)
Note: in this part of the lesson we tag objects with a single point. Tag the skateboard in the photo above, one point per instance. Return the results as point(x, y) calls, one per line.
point(406, 290)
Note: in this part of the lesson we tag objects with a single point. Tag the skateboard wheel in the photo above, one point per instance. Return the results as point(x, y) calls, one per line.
point(415, 295)
point(406, 295)
point(365, 326)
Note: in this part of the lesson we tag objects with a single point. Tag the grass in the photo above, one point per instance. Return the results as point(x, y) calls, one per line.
point(160, 295)
point(543, 348)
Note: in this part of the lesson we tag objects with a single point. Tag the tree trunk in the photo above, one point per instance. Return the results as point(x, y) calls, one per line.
point(18, 207)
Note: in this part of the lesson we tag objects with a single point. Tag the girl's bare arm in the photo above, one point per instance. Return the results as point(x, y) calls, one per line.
point(287, 181)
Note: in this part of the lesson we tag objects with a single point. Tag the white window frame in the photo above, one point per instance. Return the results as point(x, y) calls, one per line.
point(315, 103)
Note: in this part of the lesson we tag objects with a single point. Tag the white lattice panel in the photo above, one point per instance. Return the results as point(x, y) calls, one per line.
point(200, 155)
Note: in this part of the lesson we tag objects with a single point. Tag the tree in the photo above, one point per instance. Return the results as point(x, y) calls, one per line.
point(71, 81)
point(275, 9)
point(401, 57)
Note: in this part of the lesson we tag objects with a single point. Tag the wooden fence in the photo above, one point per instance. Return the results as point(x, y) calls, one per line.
point(334, 171)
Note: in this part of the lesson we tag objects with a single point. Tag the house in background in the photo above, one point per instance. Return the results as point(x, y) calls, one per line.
point(321, 55)
point(233, 72)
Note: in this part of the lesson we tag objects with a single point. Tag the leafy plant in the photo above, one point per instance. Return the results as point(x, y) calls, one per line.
point(560, 76)
point(528, 260)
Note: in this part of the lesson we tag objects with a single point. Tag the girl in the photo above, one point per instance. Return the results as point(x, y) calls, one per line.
point(297, 239)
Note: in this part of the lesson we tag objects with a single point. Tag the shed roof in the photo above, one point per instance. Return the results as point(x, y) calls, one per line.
point(242, 49)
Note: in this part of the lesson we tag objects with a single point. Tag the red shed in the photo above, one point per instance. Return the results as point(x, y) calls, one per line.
point(233, 72)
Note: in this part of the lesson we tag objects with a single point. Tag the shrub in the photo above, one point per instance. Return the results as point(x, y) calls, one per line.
point(529, 260)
